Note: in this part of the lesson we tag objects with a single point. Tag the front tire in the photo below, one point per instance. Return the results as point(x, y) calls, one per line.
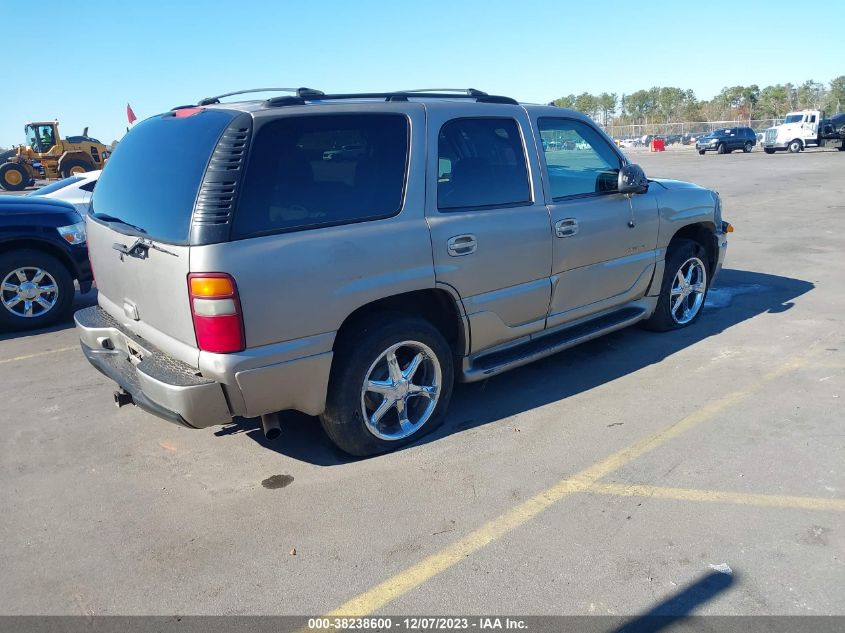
point(390, 384)
point(769, 150)
point(13, 177)
point(684, 287)
point(701, 152)
point(795, 146)
point(36, 290)
point(722, 149)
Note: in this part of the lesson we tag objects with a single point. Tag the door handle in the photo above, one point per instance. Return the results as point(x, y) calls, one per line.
point(461, 245)
point(566, 227)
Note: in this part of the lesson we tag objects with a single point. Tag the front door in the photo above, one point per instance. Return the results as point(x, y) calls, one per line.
point(603, 250)
point(490, 231)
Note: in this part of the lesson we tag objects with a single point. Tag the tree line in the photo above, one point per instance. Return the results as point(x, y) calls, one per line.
point(668, 104)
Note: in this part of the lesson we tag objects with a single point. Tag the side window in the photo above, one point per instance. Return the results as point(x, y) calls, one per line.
point(812, 118)
point(481, 163)
point(315, 171)
point(89, 186)
point(579, 161)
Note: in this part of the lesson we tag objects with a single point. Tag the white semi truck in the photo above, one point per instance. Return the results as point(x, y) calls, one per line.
point(799, 130)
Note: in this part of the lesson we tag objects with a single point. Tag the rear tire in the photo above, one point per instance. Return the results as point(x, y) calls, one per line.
point(722, 149)
point(362, 359)
point(683, 255)
point(13, 303)
point(14, 177)
point(75, 167)
point(747, 148)
point(795, 146)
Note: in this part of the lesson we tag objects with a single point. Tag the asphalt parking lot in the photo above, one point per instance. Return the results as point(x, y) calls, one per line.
point(697, 471)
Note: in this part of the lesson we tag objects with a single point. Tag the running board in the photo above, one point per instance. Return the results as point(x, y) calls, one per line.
point(494, 363)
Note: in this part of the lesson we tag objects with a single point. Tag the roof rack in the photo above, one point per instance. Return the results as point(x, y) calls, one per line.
point(300, 92)
point(401, 95)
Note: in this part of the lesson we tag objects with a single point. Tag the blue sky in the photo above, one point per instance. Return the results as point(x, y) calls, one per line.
point(81, 62)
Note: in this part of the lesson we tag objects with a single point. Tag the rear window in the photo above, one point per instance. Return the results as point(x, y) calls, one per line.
point(151, 181)
point(313, 171)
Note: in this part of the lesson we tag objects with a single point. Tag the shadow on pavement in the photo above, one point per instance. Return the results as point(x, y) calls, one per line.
point(677, 607)
point(737, 296)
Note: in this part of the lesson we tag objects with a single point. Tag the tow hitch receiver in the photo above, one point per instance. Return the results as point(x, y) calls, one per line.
point(122, 398)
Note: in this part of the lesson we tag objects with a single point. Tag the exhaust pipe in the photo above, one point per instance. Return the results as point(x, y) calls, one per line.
point(270, 424)
point(122, 398)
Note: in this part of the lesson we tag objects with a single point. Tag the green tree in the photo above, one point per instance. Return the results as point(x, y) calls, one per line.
point(586, 103)
point(607, 105)
point(834, 100)
point(565, 102)
point(810, 95)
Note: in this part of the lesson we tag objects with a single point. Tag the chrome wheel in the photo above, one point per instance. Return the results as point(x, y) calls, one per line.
point(401, 390)
point(29, 292)
point(688, 289)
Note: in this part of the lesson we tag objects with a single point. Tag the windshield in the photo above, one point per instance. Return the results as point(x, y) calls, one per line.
point(149, 192)
point(61, 184)
point(31, 137)
point(793, 118)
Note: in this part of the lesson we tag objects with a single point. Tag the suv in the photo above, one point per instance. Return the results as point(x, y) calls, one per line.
point(260, 275)
point(726, 140)
point(42, 252)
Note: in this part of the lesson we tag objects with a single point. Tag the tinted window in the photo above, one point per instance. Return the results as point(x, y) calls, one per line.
point(151, 180)
point(578, 159)
point(481, 164)
point(323, 170)
point(61, 184)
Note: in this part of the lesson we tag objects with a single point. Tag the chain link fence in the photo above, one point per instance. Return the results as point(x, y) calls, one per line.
point(685, 129)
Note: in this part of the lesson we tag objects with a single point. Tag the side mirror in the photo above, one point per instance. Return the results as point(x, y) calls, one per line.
point(632, 179)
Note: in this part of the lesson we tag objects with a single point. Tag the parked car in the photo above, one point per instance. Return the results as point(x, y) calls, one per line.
point(77, 190)
point(455, 246)
point(42, 252)
point(726, 140)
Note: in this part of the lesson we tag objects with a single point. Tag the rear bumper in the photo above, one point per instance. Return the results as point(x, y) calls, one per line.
point(158, 384)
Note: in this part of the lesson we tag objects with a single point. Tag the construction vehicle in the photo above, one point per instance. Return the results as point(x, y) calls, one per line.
point(47, 155)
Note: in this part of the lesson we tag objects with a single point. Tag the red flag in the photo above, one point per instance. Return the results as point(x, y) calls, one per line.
point(130, 115)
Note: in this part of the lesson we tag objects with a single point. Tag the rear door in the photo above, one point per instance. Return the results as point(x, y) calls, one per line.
point(147, 192)
point(490, 231)
point(603, 248)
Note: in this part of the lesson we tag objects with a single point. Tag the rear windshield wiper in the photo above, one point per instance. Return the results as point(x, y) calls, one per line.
point(140, 247)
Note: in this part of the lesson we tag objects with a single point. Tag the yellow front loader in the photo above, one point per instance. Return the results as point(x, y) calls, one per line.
point(47, 155)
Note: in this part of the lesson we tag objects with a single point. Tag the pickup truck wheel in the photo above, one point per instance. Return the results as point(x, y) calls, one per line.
point(684, 287)
point(795, 146)
point(701, 152)
point(769, 150)
point(747, 148)
point(722, 149)
point(390, 384)
point(36, 290)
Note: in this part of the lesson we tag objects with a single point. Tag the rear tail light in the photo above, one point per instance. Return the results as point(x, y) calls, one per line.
point(216, 310)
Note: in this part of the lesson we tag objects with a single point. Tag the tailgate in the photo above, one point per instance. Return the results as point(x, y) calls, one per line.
point(146, 292)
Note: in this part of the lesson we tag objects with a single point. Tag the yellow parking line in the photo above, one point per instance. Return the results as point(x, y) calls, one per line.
point(406, 580)
point(47, 353)
point(719, 496)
